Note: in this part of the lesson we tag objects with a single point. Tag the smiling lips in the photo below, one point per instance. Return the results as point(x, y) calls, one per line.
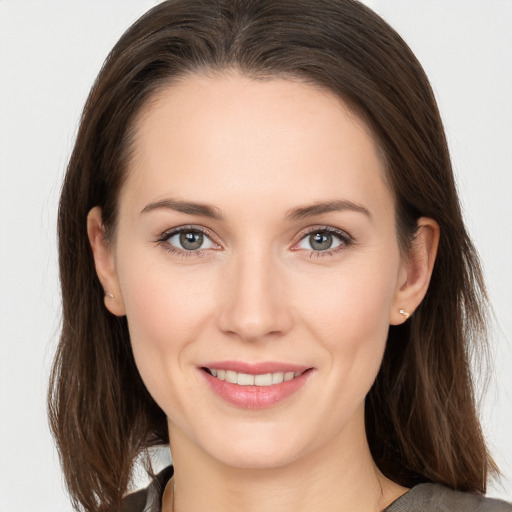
point(255, 386)
point(246, 379)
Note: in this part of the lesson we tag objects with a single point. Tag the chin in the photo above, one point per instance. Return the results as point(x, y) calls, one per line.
point(250, 447)
point(266, 458)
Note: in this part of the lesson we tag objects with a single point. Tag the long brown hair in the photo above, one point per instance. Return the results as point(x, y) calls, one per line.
point(421, 417)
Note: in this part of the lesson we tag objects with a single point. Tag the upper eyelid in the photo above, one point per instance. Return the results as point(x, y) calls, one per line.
point(331, 229)
point(190, 227)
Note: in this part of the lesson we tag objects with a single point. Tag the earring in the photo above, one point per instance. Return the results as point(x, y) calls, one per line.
point(109, 295)
point(404, 313)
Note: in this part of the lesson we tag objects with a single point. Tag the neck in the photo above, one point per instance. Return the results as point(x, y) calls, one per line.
point(339, 477)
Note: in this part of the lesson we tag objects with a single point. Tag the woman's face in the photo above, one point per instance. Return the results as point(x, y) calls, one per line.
point(256, 241)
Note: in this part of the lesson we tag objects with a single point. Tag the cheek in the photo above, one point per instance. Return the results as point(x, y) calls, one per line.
point(163, 300)
point(154, 303)
point(349, 315)
point(166, 311)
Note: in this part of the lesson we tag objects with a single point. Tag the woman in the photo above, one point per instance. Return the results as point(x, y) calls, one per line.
point(263, 264)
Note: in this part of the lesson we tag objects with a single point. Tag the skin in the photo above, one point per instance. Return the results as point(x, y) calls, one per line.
point(256, 151)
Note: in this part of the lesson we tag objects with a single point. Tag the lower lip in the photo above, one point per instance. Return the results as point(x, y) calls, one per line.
point(255, 397)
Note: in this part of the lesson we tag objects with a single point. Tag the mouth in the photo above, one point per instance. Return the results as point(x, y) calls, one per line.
point(247, 379)
point(255, 386)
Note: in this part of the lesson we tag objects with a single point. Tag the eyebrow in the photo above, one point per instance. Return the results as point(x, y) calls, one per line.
point(201, 209)
point(303, 212)
point(298, 213)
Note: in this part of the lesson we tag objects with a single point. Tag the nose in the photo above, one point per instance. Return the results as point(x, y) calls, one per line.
point(253, 298)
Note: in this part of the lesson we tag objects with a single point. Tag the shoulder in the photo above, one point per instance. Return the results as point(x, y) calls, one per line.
point(438, 498)
point(148, 499)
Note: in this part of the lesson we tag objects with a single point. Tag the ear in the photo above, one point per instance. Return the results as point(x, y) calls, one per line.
point(104, 261)
point(414, 277)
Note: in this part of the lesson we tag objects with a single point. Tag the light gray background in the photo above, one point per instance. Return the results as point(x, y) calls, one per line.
point(50, 53)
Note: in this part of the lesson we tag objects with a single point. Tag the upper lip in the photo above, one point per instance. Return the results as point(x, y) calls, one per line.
point(256, 368)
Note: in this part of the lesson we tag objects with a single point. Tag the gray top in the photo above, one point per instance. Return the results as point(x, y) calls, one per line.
point(421, 498)
point(438, 498)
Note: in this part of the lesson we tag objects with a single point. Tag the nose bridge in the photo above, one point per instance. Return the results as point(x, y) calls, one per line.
point(254, 304)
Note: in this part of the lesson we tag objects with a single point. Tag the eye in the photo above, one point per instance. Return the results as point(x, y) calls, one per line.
point(324, 239)
point(187, 239)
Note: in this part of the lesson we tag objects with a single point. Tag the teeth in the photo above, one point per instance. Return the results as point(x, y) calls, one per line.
point(245, 379)
point(231, 376)
point(262, 380)
point(277, 378)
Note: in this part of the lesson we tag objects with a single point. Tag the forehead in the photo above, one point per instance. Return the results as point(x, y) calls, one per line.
point(205, 137)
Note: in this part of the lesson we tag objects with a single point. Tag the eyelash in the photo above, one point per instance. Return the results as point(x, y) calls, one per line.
point(344, 238)
point(345, 241)
point(163, 241)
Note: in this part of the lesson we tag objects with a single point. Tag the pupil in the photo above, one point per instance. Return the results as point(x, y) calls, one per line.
point(320, 241)
point(191, 240)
